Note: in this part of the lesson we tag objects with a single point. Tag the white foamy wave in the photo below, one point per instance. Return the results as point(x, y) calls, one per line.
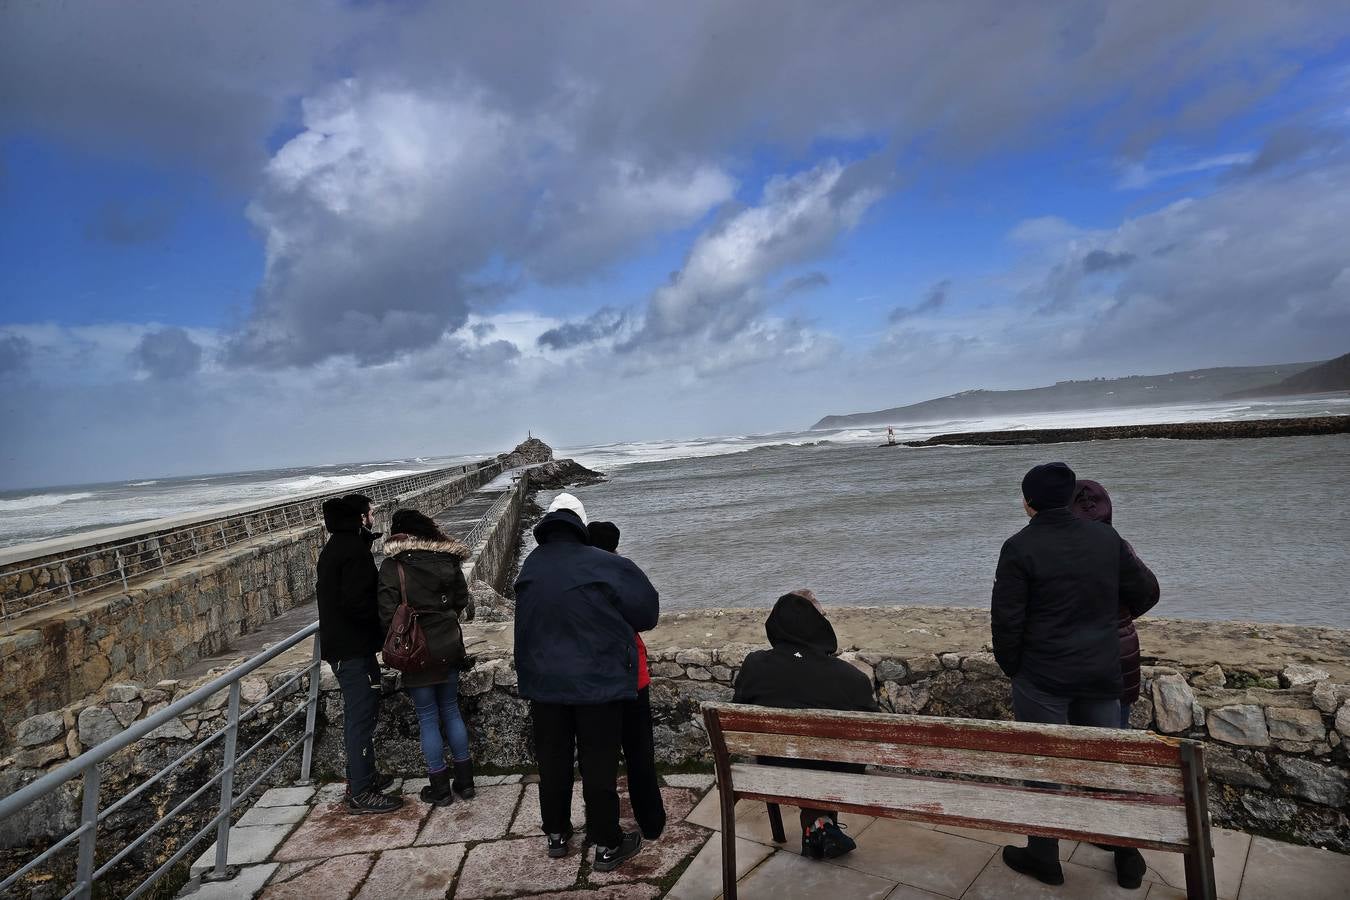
point(325, 482)
point(142, 483)
point(40, 501)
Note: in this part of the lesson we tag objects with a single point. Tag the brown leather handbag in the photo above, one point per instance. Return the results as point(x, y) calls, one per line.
point(405, 647)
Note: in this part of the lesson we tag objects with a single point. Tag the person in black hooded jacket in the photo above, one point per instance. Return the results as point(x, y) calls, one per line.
point(577, 608)
point(349, 636)
point(801, 671)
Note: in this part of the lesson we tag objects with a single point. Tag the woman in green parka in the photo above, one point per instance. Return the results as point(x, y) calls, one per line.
point(436, 590)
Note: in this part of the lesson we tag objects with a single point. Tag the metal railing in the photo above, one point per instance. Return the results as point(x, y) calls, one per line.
point(85, 767)
point(65, 577)
point(489, 519)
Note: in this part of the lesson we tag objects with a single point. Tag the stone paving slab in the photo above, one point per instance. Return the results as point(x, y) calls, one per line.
point(515, 866)
point(900, 852)
point(787, 876)
point(656, 859)
point(331, 793)
point(1230, 858)
point(905, 892)
point(417, 873)
point(614, 892)
point(247, 845)
point(703, 879)
point(679, 802)
point(331, 827)
point(752, 820)
point(272, 815)
point(1273, 870)
point(484, 818)
point(528, 820)
point(1002, 838)
point(246, 884)
point(291, 796)
point(335, 877)
point(998, 882)
point(696, 781)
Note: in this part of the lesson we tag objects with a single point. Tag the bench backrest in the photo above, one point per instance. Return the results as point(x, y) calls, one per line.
point(1095, 784)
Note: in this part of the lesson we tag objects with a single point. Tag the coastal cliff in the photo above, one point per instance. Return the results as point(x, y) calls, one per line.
point(1182, 431)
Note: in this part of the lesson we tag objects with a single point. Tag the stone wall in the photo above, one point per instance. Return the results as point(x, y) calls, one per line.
point(1275, 744)
point(160, 626)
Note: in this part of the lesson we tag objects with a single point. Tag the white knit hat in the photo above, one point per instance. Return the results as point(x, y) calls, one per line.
point(568, 502)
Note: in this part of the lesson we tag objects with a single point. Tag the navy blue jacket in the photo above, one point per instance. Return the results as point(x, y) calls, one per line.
point(577, 607)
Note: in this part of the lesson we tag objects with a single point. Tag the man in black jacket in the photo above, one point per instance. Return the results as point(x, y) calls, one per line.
point(802, 672)
point(577, 608)
point(1060, 584)
point(349, 636)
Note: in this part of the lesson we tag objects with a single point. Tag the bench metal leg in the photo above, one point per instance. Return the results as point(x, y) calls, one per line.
point(776, 823)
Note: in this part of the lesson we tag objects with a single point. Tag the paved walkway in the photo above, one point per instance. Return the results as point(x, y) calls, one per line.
point(300, 843)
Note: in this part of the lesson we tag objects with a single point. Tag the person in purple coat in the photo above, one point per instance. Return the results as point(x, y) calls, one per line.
point(1092, 502)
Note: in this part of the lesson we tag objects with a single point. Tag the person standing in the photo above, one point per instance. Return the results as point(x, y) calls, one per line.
point(1092, 502)
point(349, 636)
point(801, 671)
point(639, 748)
point(1058, 589)
point(423, 565)
point(577, 609)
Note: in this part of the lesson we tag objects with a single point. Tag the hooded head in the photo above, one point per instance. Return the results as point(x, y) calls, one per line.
point(1048, 486)
point(799, 624)
point(1091, 502)
point(339, 516)
point(568, 502)
point(604, 535)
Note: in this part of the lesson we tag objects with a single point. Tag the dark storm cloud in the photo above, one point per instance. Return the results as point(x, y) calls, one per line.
point(601, 324)
point(1104, 260)
point(934, 300)
point(130, 223)
point(168, 353)
point(15, 351)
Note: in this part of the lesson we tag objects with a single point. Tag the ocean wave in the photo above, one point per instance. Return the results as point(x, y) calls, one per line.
point(142, 483)
point(41, 501)
point(321, 482)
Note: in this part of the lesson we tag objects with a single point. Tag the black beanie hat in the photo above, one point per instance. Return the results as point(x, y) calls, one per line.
point(1048, 486)
point(604, 535)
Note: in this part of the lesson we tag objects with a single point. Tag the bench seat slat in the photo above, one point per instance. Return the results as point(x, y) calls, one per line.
point(1060, 741)
point(986, 806)
point(986, 763)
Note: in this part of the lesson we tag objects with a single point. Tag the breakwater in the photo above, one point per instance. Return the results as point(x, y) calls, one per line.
point(1182, 431)
point(156, 623)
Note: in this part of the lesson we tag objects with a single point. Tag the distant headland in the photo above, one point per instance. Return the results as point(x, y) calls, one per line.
point(1185, 431)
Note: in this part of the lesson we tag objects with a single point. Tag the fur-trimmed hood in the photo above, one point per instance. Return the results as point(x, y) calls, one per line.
point(401, 543)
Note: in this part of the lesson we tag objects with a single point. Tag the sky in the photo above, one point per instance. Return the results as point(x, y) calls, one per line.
point(248, 234)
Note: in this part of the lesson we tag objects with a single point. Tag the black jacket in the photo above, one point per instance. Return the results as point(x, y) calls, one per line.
point(1059, 588)
point(577, 607)
point(349, 624)
point(801, 671)
point(438, 593)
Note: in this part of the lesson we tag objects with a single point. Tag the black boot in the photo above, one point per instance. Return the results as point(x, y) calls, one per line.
point(438, 792)
point(464, 778)
point(1130, 867)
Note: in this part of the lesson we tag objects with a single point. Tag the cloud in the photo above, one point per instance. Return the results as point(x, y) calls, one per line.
point(15, 351)
point(168, 353)
point(1099, 260)
point(603, 323)
point(934, 300)
point(1137, 175)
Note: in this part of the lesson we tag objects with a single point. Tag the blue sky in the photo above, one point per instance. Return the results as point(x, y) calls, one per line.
point(373, 230)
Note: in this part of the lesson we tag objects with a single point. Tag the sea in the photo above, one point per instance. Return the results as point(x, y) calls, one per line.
point(1254, 530)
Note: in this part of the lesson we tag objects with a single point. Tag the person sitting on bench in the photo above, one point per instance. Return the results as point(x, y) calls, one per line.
point(803, 672)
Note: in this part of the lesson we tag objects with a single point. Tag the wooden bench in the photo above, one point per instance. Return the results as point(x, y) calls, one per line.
point(1129, 788)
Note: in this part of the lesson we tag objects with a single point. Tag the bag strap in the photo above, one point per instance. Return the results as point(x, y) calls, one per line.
point(403, 587)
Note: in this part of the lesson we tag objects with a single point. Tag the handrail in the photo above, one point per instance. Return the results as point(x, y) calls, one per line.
point(153, 551)
point(85, 767)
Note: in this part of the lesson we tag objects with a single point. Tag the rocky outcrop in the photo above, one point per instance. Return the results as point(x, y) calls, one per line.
point(527, 453)
point(1189, 431)
point(563, 473)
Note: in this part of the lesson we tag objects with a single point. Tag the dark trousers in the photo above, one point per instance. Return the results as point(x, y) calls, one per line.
point(1031, 704)
point(359, 679)
point(591, 732)
point(639, 755)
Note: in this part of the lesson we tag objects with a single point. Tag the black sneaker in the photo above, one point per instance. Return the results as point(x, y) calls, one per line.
point(373, 802)
point(1130, 867)
point(608, 858)
point(1020, 860)
point(382, 781)
point(559, 845)
point(833, 841)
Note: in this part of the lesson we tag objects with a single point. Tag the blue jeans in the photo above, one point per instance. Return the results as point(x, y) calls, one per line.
point(359, 679)
point(437, 706)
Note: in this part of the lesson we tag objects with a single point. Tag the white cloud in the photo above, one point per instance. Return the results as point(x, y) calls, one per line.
point(1136, 175)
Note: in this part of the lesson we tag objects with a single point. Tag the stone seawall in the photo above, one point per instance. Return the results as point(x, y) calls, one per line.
point(1181, 431)
point(162, 625)
point(1271, 703)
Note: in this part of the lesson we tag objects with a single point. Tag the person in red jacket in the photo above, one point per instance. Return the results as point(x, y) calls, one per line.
point(639, 750)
